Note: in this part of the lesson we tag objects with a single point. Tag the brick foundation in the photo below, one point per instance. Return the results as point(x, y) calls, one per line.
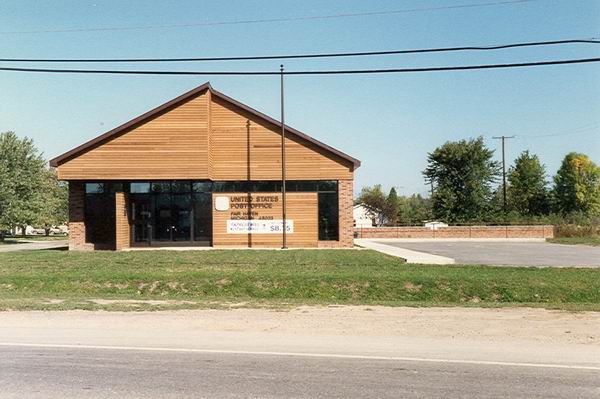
point(545, 231)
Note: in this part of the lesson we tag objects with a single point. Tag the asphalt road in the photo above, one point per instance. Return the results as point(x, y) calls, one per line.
point(35, 372)
point(33, 245)
point(507, 253)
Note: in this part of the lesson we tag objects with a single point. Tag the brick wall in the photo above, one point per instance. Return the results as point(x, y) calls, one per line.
point(545, 231)
point(122, 227)
point(77, 217)
point(346, 220)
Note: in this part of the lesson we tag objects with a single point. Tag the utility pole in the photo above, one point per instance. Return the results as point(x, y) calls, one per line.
point(503, 138)
point(283, 205)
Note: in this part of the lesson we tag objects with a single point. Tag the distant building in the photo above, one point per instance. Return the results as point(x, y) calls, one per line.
point(33, 231)
point(366, 216)
point(434, 225)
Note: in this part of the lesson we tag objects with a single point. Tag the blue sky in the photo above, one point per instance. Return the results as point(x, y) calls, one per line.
point(390, 122)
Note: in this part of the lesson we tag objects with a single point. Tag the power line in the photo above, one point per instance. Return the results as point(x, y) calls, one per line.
point(321, 72)
point(272, 20)
point(318, 55)
point(579, 130)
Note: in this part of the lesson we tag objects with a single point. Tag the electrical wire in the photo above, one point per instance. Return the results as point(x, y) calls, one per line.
point(321, 72)
point(318, 55)
point(582, 129)
point(272, 20)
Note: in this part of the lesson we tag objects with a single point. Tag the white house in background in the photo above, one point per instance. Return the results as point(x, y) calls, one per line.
point(366, 216)
point(33, 231)
point(434, 225)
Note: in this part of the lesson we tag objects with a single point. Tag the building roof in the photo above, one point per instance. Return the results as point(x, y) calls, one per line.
point(178, 100)
point(368, 207)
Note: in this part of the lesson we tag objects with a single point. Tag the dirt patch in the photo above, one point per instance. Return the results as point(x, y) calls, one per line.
point(411, 287)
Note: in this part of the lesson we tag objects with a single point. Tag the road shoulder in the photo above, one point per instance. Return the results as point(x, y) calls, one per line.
point(515, 335)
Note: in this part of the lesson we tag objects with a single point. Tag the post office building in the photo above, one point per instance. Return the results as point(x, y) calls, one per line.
point(206, 170)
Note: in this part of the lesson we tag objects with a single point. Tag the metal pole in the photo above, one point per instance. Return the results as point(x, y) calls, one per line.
point(283, 205)
point(503, 138)
point(503, 177)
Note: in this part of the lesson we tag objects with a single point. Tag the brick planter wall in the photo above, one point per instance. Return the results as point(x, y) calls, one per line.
point(545, 231)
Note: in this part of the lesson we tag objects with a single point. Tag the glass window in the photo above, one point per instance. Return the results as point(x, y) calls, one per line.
point(328, 216)
point(266, 186)
point(100, 218)
point(114, 187)
point(301, 185)
point(181, 186)
point(230, 186)
point(202, 187)
point(328, 186)
point(94, 188)
point(181, 217)
point(161, 186)
point(202, 217)
point(140, 187)
point(141, 217)
point(162, 218)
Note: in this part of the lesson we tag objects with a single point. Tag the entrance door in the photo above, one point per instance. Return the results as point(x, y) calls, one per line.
point(141, 211)
point(173, 217)
point(163, 218)
point(181, 217)
point(171, 214)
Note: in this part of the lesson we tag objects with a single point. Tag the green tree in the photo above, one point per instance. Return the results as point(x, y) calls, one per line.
point(375, 198)
point(527, 191)
point(372, 196)
point(577, 185)
point(462, 173)
point(414, 210)
point(23, 179)
point(392, 207)
point(55, 209)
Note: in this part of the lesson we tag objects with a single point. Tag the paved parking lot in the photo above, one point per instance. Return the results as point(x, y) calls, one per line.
point(507, 253)
point(31, 245)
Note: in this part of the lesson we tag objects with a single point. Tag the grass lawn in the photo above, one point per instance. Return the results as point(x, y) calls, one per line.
point(593, 241)
point(188, 279)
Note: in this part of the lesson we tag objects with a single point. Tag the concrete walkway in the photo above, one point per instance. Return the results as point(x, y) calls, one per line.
point(409, 255)
point(34, 245)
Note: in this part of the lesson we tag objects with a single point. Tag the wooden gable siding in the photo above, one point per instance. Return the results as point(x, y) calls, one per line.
point(244, 146)
point(205, 137)
point(173, 145)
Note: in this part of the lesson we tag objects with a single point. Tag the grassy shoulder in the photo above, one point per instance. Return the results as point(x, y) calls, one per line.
point(191, 279)
point(593, 241)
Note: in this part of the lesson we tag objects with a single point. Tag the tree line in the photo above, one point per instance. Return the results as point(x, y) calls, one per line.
point(30, 193)
point(465, 179)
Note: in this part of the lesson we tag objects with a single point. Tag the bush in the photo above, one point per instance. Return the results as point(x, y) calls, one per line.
point(574, 230)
